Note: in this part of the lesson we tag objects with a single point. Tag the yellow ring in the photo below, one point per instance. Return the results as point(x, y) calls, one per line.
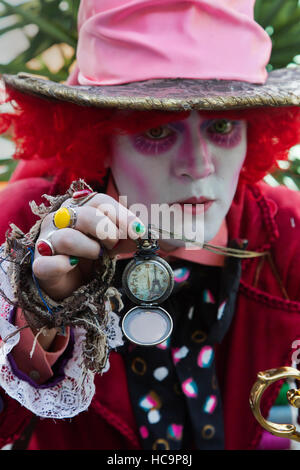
point(63, 217)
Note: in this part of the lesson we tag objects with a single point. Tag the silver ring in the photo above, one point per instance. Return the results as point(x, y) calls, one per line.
point(73, 217)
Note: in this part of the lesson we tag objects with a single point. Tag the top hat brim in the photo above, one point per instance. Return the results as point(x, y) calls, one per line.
point(282, 88)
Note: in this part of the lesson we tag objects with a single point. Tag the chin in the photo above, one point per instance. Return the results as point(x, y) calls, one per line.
point(211, 230)
point(210, 235)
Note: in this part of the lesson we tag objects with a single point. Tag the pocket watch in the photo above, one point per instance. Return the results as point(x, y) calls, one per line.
point(147, 280)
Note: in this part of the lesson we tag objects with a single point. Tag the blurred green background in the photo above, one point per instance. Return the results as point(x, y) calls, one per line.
point(39, 36)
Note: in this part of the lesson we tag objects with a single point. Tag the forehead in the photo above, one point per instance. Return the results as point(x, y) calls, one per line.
point(205, 115)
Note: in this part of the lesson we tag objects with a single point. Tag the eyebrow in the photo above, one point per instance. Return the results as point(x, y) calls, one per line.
point(228, 114)
point(234, 115)
point(177, 125)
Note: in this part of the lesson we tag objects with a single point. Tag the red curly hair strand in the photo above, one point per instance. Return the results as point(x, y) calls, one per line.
point(74, 141)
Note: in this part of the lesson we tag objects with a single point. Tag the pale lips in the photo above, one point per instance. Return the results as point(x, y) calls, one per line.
point(192, 204)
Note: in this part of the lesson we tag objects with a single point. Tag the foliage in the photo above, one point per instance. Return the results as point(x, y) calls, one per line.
point(281, 19)
point(49, 23)
point(55, 24)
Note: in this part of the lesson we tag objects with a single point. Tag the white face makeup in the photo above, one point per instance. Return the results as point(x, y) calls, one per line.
point(195, 160)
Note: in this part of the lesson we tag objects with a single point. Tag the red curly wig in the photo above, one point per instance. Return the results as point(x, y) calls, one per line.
point(73, 141)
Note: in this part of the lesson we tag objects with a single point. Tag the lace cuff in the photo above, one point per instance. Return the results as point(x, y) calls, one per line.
point(66, 399)
point(73, 394)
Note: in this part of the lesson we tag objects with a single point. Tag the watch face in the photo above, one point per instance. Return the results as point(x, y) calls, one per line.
point(149, 280)
point(147, 326)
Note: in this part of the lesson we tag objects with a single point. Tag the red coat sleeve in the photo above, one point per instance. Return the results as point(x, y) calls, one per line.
point(287, 247)
point(14, 208)
point(14, 203)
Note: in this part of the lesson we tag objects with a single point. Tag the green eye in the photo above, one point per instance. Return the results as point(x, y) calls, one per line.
point(158, 132)
point(222, 126)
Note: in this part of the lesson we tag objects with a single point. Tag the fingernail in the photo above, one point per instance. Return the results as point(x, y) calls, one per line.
point(138, 227)
point(101, 252)
point(81, 194)
point(73, 260)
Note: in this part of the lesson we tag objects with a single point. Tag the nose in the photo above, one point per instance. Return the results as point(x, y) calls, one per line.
point(195, 159)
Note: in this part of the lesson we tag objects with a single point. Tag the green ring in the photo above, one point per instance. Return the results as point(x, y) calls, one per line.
point(138, 227)
point(73, 260)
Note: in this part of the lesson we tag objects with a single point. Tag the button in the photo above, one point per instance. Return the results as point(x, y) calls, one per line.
point(34, 375)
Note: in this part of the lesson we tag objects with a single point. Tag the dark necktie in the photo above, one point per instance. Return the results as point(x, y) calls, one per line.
point(173, 386)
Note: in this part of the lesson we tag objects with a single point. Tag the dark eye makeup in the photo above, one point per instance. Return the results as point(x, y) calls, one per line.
point(156, 140)
point(221, 132)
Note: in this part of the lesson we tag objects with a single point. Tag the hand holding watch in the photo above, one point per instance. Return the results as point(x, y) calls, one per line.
point(148, 281)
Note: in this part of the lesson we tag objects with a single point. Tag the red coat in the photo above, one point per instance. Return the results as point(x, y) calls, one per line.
point(260, 337)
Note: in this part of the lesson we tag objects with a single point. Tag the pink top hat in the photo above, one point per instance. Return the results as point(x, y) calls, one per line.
point(122, 41)
point(170, 55)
